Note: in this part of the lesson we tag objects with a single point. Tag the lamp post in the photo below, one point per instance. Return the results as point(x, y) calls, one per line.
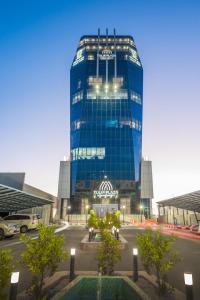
point(14, 284)
point(123, 207)
point(68, 211)
point(141, 208)
point(188, 286)
point(86, 212)
point(72, 264)
point(135, 264)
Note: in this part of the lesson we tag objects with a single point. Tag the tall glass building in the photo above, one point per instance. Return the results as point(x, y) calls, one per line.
point(106, 97)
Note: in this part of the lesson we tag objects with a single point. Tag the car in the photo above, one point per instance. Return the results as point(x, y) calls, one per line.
point(7, 230)
point(24, 221)
point(195, 228)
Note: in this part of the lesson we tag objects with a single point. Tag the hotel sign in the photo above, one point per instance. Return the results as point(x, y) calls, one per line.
point(105, 190)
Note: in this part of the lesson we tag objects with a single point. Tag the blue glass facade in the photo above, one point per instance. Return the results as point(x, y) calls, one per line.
point(106, 95)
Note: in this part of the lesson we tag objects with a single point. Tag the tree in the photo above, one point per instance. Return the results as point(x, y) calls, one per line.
point(42, 256)
point(6, 268)
point(108, 253)
point(157, 255)
point(93, 220)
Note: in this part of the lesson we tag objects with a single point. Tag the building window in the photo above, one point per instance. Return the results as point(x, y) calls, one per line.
point(107, 93)
point(136, 97)
point(88, 153)
point(77, 97)
point(90, 57)
point(135, 124)
point(77, 124)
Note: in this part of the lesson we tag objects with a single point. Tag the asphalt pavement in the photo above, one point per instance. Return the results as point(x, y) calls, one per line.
point(86, 260)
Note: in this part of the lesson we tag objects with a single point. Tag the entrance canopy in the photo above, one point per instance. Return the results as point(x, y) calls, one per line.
point(189, 201)
point(12, 200)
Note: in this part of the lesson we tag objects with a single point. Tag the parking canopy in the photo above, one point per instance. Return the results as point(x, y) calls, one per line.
point(189, 201)
point(12, 200)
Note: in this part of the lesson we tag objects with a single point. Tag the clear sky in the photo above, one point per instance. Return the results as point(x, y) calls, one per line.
point(38, 40)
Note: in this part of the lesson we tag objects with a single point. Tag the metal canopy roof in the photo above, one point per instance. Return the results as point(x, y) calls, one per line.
point(189, 201)
point(13, 200)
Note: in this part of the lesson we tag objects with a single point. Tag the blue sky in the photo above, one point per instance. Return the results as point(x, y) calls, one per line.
point(38, 40)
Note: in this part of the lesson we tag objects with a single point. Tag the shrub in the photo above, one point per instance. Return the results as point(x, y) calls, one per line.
point(108, 253)
point(157, 255)
point(6, 268)
point(42, 256)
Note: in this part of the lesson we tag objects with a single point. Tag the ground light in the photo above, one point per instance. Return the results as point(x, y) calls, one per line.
point(117, 233)
point(14, 284)
point(72, 264)
point(188, 286)
point(135, 264)
point(90, 234)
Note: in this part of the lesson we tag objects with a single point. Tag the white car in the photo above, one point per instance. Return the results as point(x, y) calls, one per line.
point(7, 230)
point(24, 221)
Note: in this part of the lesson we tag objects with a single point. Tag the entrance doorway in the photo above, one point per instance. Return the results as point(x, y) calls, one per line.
point(102, 209)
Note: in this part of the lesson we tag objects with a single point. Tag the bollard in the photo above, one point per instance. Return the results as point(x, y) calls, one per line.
point(14, 284)
point(188, 286)
point(135, 264)
point(72, 264)
point(117, 233)
point(90, 234)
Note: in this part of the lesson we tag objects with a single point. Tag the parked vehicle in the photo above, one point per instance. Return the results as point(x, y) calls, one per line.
point(195, 228)
point(7, 230)
point(25, 221)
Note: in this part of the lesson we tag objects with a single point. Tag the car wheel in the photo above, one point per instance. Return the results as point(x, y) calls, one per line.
point(23, 229)
point(1, 234)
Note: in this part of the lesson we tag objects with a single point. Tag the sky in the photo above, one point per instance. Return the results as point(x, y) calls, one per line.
point(38, 40)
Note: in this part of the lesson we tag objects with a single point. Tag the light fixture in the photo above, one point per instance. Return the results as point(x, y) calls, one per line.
point(69, 207)
point(73, 251)
point(135, 251)
point(87, 206)
point(141, 206)
point(14, 277)
point(188, 279)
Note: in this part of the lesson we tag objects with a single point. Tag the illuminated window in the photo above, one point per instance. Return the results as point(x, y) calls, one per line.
point(108, 92)
point(90, 57)
point(136, 97)
point(88, 153)
point(77, 124)
point(77, 97)
point(135, 124)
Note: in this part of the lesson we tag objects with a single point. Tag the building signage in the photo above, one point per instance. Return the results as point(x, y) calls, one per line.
point(106, 54)
point(105, 191)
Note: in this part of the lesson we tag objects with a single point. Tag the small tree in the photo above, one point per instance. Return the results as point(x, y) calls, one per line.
point(42, 256)
point(157, 255)
point(108, 253)
point(92, 220)
point(6, 268)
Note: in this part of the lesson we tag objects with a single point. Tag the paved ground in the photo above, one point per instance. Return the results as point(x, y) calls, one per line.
point(85, 260)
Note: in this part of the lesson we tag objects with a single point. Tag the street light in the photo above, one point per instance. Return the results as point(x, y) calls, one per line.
point(72, 264)
point(14, 284)
point(188, 286)
point(123, 207)
point(86, 212)
point(135, 264)
point(141, 208)
point(68, 211)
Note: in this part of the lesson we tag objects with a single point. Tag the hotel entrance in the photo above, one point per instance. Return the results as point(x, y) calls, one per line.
point(102, 209)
